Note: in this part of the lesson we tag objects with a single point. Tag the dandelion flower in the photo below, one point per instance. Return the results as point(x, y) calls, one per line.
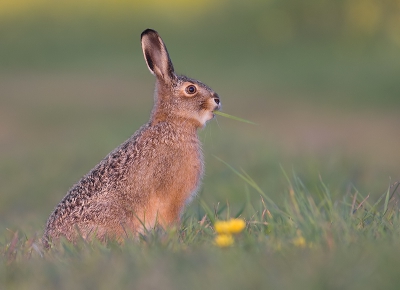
point(233, 226)
point(300, 242)
point(221, 227)
point(236, 226)
point(224, 240)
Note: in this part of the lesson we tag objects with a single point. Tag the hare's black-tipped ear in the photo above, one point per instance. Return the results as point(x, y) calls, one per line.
point(156, 55)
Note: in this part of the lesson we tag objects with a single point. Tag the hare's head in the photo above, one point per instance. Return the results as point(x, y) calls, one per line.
point(177, 98)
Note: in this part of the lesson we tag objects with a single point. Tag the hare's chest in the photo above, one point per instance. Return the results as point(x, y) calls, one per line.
point(185, 178)
point(191, 167)
point(188, 165)
point(180, 169)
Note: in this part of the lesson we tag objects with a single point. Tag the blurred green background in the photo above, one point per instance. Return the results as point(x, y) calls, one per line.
point(319, 77)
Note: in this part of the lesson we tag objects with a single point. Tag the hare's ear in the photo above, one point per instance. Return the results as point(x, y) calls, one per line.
point(156, 56)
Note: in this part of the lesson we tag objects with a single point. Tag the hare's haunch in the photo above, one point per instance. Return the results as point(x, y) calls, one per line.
point(150, 177)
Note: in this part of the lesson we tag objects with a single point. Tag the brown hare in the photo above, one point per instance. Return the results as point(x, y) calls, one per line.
point(149, 178)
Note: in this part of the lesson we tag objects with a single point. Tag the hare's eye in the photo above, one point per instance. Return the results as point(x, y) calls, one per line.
point(191, 89)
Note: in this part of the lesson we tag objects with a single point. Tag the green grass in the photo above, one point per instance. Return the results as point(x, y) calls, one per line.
point(311, 241)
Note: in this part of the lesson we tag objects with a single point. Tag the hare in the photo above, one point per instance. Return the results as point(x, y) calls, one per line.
point(148, 179)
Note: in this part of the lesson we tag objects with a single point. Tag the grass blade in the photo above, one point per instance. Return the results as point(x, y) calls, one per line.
point(246, 178)
point(385, 206)
point(234, 118)
point(208, 211)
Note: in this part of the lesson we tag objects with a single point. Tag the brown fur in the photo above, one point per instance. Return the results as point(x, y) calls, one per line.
point(150, 177)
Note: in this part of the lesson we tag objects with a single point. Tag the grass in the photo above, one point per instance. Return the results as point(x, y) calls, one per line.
point(301, 233)
point(310, 241)
point(320, 82)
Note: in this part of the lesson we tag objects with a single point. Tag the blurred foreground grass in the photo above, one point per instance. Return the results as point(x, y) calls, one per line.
point(320, 80)
point(311, 242)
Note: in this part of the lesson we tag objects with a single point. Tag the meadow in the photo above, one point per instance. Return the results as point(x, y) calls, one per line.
point(315, 180)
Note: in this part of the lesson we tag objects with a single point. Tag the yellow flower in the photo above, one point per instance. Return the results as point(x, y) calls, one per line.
point(223, 240)
point(300, 242)
point(236, 226)
point(233, 226)
point(221, 227)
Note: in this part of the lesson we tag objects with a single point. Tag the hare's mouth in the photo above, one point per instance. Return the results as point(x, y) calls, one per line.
point(215, 109)
point(208, 108)
point(217, 103)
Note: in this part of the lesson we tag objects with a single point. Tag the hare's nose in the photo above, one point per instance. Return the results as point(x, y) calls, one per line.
point(216, 99)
